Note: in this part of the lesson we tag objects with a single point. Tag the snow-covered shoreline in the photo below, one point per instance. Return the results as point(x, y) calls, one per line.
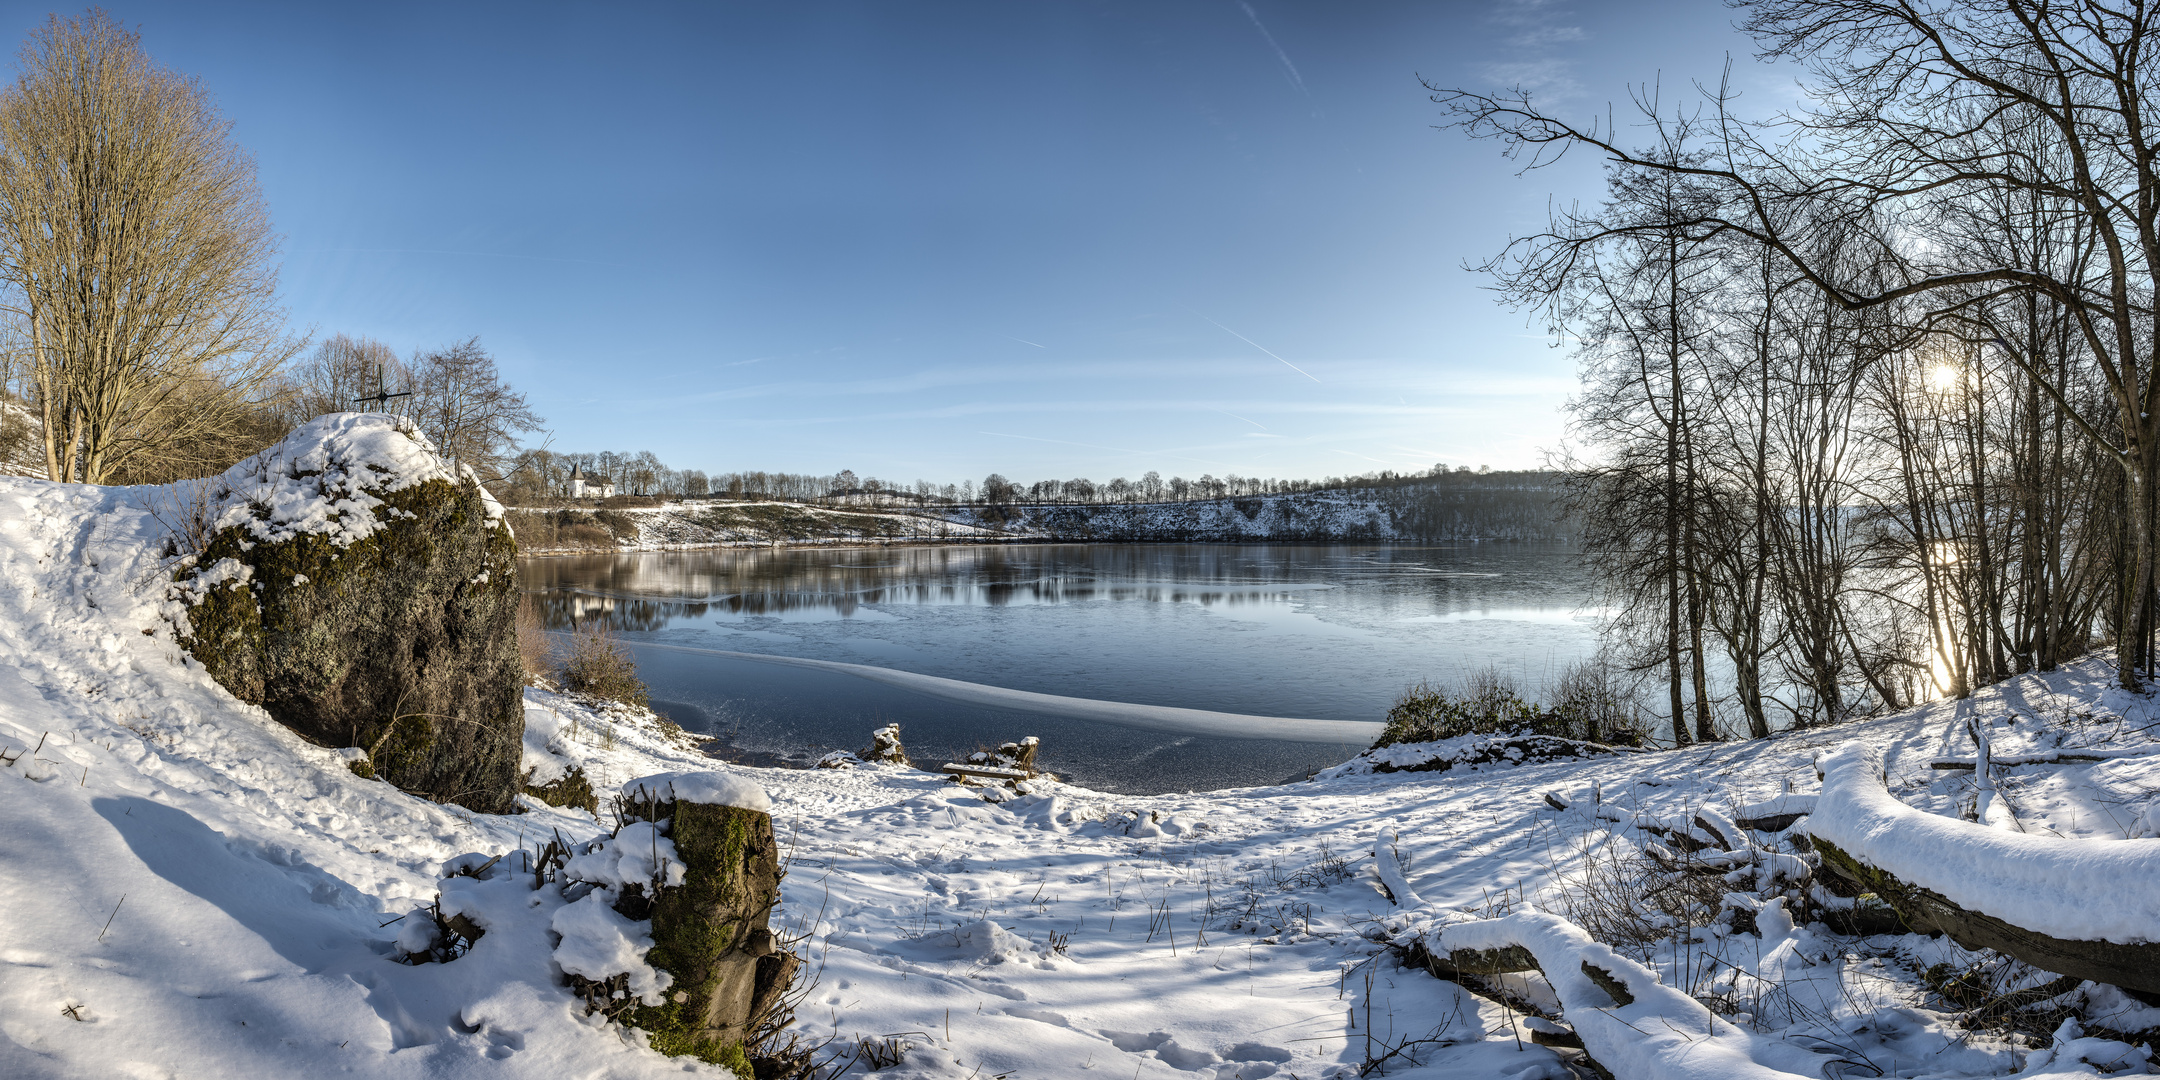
point(193, 890)
point(1306, 517)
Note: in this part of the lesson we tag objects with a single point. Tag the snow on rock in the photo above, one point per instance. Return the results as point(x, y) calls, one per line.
point(709, 788)
point(2073, 889)
point(379, 608)
point(325, 478)
point(1466, 751)
point(547, 756)
point(635, 855)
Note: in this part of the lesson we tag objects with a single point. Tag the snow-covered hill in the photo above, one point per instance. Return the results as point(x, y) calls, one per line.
point(190, 890)
point(1402, 514)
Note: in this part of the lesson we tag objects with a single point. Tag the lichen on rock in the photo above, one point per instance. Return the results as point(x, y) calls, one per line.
point(363, 591)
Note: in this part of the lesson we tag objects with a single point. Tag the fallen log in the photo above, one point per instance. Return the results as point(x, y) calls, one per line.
point(2089, 908)
point(1774, 815)
point(988, 771)
point(2053, 757)
point(1629, 1024)
point(2131, 967)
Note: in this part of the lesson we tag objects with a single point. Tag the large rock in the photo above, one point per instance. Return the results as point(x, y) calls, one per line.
point(364, 593)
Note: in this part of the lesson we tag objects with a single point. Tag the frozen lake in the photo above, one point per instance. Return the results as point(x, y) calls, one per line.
point(1329, 633)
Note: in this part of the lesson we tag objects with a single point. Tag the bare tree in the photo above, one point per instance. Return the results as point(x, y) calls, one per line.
point(136, 251)
point(341, 370)
point(462, 403)
point(1909, 100)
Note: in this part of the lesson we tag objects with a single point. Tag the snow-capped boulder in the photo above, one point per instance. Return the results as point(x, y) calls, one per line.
point(362, 590)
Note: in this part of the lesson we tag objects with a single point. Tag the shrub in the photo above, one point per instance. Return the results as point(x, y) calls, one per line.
point(1487, 703)
point(1588, 705)
point(573, 788)
point(599, 666)
point(535, 649)
point(1595, 707)
point(620, 526)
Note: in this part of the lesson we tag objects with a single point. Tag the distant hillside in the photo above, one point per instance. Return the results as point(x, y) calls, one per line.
point(1524, 507)
point(1455, 508)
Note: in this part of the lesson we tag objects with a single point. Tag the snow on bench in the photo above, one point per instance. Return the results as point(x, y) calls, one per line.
point(1629, 1022)
point(2089, 908)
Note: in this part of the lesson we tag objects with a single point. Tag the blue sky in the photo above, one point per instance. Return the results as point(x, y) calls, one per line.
point(932, 240)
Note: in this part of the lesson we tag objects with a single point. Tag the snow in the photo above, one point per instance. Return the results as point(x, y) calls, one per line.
point(2074, 889)
point(598, 944)
point(192, 890)
point(707, 788)
point(1662, 1033)
point(325, 477)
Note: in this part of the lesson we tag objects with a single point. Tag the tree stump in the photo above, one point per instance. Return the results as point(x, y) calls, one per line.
point(712, 932)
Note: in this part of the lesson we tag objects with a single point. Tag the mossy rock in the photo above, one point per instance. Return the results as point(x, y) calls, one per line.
point(712, 933)
point(403, 643)
point(573, 788)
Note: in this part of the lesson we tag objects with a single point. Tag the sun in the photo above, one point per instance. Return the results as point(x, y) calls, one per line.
point(1943, 378)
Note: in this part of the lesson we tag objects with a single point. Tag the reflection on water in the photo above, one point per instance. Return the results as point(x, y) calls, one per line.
point(1330, 632)
point(649, 590)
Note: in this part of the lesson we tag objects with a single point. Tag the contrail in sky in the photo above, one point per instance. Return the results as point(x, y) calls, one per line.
point(1235, 416)
point(1093, 446)
point(1024, 341)
point(1257, 345)
point(1296, 79)
point(1367, 457)
point(1061, 442)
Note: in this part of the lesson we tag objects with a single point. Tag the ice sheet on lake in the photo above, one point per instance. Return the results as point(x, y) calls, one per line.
point(1165, 718)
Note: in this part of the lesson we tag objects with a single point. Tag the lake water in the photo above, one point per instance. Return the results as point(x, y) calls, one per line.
point(1327, 632)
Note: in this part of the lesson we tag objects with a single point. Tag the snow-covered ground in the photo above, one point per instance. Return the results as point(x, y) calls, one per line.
point(188, 889)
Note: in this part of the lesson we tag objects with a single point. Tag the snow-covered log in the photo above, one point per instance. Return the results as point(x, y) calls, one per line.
point(2084, 756)
point(1629, 1022)
point(2089, 908)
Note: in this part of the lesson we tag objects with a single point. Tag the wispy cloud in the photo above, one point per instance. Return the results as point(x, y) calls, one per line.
point(462, 254)
point(1296, 80)
point(1534, 30)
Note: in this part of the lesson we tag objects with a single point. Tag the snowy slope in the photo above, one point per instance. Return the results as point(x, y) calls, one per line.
point(191, 891)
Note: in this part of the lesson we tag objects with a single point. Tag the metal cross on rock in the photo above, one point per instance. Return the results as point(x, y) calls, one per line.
point(382, 395)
